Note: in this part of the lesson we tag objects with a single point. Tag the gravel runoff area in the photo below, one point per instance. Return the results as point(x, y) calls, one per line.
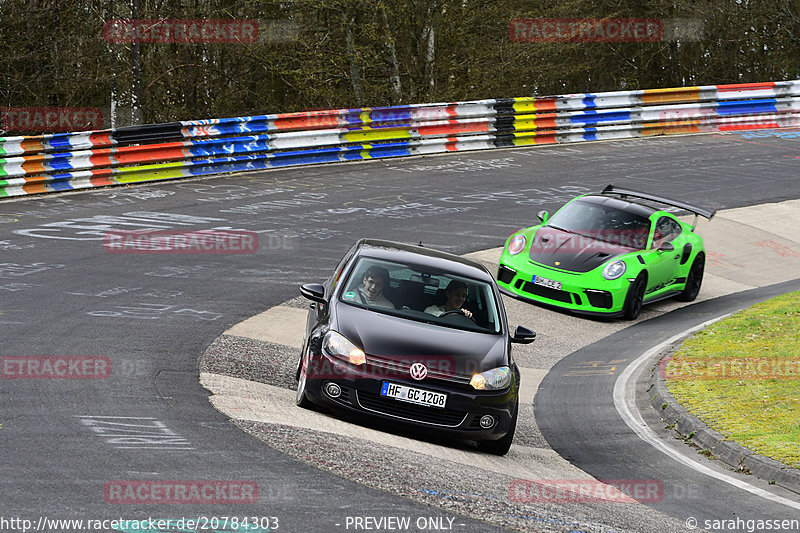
point(252, 381)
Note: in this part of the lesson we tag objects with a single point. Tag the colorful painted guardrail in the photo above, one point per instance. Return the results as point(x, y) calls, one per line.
point(57, 162)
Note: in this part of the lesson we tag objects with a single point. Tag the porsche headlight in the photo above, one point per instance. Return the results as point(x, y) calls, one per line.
point(614, 270)
point(516, 244)
point(494, 379)
point(337, 344)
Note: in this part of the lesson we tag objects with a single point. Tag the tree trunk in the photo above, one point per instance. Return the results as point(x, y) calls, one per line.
point(394, 74)
point(429, 42)
point(112, 61)
point(349, 22)
point(136, 72)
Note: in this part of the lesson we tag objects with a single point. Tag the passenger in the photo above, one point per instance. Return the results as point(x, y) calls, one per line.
point(370, 292)
point(456, 294)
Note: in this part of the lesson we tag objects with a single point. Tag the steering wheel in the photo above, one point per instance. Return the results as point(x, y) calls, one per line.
point(456, 312)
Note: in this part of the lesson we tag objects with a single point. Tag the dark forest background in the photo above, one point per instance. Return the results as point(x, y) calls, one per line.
point(351, 53)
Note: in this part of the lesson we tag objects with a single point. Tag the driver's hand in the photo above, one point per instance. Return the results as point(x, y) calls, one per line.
point(467, 313)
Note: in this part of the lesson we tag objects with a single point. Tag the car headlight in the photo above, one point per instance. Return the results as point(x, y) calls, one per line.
point(614, 270)
point(516, 244)
point(337, 344)
point(494, 379)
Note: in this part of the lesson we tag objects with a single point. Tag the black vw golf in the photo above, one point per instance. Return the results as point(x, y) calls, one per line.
point(416, 336)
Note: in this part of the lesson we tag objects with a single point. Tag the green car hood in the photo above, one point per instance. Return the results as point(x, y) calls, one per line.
point(573, 252)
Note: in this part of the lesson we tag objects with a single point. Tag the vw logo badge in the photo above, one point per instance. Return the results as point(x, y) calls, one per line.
point(418, 371)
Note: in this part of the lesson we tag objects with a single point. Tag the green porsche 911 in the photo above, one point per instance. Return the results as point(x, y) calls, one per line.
point(606, 254)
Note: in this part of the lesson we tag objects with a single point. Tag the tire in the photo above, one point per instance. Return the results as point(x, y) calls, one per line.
point(635, 297)
point(301, 399)
point(694, 280)
point(501, 446)
point(299, 362)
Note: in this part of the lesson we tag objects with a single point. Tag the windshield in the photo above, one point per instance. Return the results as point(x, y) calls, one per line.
point(603, 223)
point(416, 293)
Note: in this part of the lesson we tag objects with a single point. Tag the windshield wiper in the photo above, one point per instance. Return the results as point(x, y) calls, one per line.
point(561, 229)
point(572, 232)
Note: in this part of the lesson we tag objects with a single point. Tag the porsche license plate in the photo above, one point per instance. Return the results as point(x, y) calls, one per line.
point(412, 395)
point(544, 282)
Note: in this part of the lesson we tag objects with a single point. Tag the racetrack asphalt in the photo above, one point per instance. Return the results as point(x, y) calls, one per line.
point(577, 350)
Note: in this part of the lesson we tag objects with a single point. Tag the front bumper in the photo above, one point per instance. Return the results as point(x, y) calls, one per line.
point(460, 418)
point(580, 292)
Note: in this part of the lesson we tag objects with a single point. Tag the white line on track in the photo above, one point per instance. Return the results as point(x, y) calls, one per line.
point(625, 402)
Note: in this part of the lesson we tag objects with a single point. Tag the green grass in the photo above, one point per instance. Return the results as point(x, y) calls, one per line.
point(742, 377)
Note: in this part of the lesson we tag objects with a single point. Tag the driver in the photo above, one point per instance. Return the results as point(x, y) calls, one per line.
point(456, 294)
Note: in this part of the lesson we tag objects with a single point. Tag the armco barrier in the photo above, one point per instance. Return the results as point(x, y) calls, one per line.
point(67, 161)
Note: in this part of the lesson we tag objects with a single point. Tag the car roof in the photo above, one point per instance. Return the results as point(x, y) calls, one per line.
point(637, 208)
point(419, 255)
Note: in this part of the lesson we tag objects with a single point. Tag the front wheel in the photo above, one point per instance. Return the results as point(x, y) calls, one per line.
point(501, 446)
point(694, 280)
point(302, 379)
point(635, 297)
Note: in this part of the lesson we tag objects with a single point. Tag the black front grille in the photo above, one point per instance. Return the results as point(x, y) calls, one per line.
point(505, 274)
point(410, 411)
point(440, 369)
point(547, 292)
point(602, 299)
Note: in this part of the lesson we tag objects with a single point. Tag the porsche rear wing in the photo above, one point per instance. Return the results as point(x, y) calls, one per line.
point(707, 213)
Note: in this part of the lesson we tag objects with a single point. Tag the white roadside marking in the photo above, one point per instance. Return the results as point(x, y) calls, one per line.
point(625, 402)
point(148, 433)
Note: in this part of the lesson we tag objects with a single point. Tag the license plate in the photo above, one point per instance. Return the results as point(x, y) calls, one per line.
point(412, 395)
point(544, 282)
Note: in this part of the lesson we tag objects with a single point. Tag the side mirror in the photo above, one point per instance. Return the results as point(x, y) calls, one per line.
point(666, 247)
point(543, 216)
point(523, 335)
point(314, 292)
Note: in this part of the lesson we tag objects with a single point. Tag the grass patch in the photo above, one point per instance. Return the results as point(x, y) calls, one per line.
point(741, 376)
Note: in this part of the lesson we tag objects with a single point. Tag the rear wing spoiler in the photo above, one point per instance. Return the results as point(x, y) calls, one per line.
point(706, 213)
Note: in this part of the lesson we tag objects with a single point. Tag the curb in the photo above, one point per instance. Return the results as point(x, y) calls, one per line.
point(695, 431)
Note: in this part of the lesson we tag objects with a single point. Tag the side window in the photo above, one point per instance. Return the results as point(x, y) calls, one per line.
point(666, 230)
